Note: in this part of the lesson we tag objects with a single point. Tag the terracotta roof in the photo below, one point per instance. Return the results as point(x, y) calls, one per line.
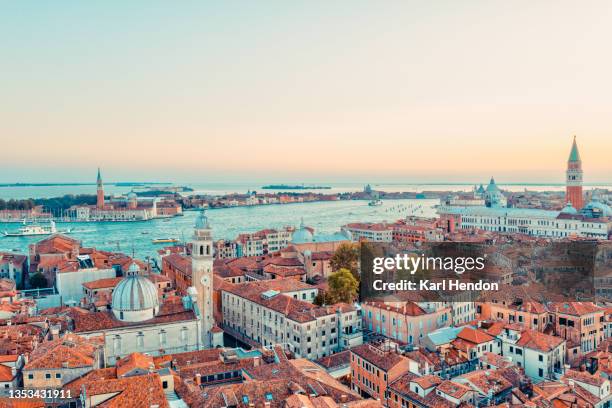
point(584, 377)
point(134, 361)
point(486, 381)
point(6, 373)
point(141, 391)
point(102, 283)
point(170, 311)
point(427, 381)
point(453, 389)
point(335, 360)
point(574, 308)
point(71, 351)
point(474, 335)
point(408, 308)
point(402, 387)
point(538, 341)
point(377, 356)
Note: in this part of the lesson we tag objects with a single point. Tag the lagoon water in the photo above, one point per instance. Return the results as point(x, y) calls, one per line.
point(227, 223)
point(324, 217)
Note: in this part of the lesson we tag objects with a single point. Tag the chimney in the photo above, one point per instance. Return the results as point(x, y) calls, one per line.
point(343, 398)
point(256, 361)
point(198, 379)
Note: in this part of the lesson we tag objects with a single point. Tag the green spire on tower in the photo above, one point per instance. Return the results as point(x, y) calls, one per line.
point(574, 155)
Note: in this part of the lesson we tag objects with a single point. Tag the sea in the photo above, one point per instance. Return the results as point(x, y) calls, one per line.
point(325, 217)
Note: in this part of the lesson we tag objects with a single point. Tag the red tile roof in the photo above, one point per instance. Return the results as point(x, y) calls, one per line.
point(474, 335)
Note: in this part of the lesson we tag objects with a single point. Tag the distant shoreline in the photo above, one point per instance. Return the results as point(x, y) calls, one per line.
point(117, 184)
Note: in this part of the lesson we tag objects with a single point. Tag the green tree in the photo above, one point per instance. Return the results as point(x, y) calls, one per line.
point(342, 287)
point(346, 257)
point(38, 280)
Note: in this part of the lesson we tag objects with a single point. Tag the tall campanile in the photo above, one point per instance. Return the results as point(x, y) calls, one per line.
point(573, 180)
point(100, 200)
point(202, 274)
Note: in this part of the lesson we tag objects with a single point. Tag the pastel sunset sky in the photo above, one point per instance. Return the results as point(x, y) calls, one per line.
point(197, 91)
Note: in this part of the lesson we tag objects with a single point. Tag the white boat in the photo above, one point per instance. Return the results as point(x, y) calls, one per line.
point(375, 203)
point(29, 230)
point(165, 240)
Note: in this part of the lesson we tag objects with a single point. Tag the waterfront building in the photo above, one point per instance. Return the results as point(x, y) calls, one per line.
point(262, 242)
point(541, 223)
point(259, 313)
point(304, 238)
point(371, 232)
point(129, 208)
point(573, 180)
point(226, 249)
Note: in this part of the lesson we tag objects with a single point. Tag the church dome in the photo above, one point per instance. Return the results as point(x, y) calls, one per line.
point(597, 209)
point(135, 298)
point(302, 235)
point(492, 187)
point(569, 209)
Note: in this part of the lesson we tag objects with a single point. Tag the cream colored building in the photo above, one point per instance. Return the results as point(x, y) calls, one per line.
point(269, 317)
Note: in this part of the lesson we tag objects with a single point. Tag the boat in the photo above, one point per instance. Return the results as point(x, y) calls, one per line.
point(375, 203)
point(30, 230)
point(165, 240)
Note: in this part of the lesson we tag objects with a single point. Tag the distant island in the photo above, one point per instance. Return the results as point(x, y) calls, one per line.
point(296, 187)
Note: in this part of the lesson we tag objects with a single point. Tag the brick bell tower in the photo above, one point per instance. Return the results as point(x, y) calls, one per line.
point(100, 200)
point(573, 180)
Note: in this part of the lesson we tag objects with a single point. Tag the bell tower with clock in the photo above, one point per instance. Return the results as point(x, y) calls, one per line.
point(202, 274)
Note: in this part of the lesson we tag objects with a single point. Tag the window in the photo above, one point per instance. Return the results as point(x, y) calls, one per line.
point(540, 358)
point(48, 376)
point(540, 372)
point(269, 396)
point(30, 376)
point(58, 375)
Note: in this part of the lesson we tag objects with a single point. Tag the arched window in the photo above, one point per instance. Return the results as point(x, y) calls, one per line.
point(207, 249)
point(201, 250)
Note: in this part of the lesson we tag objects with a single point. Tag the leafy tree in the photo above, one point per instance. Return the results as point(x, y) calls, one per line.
point(38, 280)
point(342, 287)
point(346, 257)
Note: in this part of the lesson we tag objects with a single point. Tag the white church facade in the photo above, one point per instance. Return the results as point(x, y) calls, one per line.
point(140, 322)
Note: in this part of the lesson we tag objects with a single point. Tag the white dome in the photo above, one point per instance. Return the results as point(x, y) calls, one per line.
point(135, 297)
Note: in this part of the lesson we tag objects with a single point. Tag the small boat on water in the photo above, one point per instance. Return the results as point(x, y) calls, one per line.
point(165, 240)
point(375, 203)
point(30, 230)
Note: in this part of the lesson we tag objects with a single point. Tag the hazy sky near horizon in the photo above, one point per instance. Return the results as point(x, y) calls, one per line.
point(200, 91)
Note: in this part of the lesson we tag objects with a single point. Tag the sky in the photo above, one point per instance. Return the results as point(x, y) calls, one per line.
point(316, 91)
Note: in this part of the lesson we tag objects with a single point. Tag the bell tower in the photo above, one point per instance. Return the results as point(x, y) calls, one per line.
point(202, 274)
point(100, 199)
point(573, 179)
